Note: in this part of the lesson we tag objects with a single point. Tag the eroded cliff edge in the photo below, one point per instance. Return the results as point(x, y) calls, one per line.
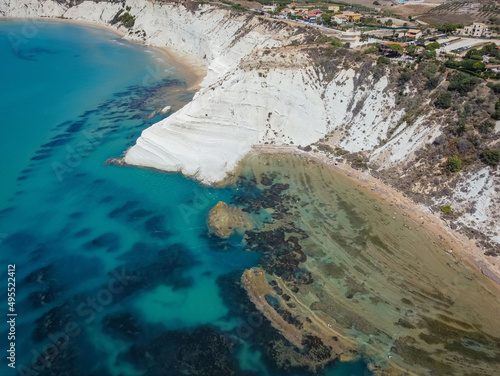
point(272, 83)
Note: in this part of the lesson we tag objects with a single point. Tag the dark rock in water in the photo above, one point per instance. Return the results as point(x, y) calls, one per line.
point(56, 319)
point(129, 205)
point(57, 142)
point(218, 244)
point(166, 267)
point(266, 180)
point(278, 290)
point(39, 276)
point(109, 240)
point(58, 359)
point(106, 199)
point(317, 350)
point(38, 299)
point(19, 241)
point(76, 215)
point(272, 301)
point(199, 352)
point(75, 127)
point(81, 233)
point(155, 227)
point(138, 215)
point(121, 325)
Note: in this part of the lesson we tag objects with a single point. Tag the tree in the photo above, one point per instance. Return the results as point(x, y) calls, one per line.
point(443, 100)
point(395, 47)
point(486, 126)
point(462, 82)
point(449, 27)
point(388, 22)
point(411, 49)
point(427, 55)
point(454, 164)
point(432, 83)
point(490, 157)
point(432, 46)
point(327, 19)
point(405, 77)
point(383, 60)
point(474, 55)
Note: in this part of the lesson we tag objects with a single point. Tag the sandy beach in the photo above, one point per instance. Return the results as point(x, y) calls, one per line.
point(420, 215)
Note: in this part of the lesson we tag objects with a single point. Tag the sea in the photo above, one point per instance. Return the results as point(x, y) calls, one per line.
point(110, 269)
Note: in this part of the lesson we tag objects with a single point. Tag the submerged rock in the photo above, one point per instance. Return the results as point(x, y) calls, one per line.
point(223, 219)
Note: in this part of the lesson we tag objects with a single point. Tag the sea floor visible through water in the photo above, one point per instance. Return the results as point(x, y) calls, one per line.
point(116, 270)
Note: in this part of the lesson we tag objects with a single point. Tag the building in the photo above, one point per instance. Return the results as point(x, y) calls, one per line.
point(314, 13)
point(475, 30)
point(334, 8)
point(493, 68)
point(339, 20)
point(351, 37)
point(351, 16)
point(413, 33)
point(270, 8)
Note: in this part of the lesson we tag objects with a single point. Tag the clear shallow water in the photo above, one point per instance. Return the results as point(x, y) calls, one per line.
point(114, 265)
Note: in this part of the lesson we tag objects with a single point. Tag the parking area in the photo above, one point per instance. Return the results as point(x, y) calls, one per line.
point(463, 44)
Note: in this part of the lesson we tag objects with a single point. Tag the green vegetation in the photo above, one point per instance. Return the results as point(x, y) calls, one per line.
point(405, 77)
point(486, 126)
point(383, 60)
point(432, 83)
point(446, 209)
point(395, 47)
point(449, 27)
point(454, 164)
point(236, 7)
point(125, 19)
point(462, 83)
point(432, 46)
point(490, 157)
point(494, 87)
point(443, 100)
point(496, 115)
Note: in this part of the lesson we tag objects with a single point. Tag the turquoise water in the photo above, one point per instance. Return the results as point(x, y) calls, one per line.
point(116, 272)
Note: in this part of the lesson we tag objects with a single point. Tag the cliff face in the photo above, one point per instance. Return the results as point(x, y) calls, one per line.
point(261, 88)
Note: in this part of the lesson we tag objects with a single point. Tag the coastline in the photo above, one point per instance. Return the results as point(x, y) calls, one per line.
point(464, 248)
point(194, 69)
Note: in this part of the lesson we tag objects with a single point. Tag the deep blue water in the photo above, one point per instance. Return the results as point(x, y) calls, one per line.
point(116, 273)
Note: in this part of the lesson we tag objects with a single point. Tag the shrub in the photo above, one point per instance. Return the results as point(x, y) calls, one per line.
point(454, 164)
point(452, 64)
point(463, 83)
point(383, 60)
point(496, 115)
point(432, 83)
point(405, 77)
point(371, 50)
point(432, 46)
point(494, 87)
point(486, 126)
point(446, 209)
point(490, 157)
point(336, 43)
point(443, 100)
